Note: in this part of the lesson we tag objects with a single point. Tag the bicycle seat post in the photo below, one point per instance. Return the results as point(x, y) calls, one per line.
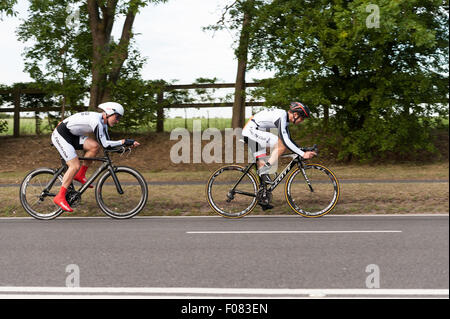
point(63, 162)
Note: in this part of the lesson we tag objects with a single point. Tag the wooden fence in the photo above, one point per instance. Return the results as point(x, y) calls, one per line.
point(17, 109)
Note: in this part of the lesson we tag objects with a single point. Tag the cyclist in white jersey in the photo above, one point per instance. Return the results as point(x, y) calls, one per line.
point(70, 135)
point(255, 134)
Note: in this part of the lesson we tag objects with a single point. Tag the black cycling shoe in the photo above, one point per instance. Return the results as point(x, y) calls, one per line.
point(266, 207)
point(266, 179)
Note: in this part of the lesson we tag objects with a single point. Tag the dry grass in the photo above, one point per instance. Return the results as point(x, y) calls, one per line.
point(179, 200)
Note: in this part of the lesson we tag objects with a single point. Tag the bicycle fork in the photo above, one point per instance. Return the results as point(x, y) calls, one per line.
point(302, 169)
point(116, 180)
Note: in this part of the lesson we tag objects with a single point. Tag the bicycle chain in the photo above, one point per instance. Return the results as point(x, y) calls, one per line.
point(73, 197)
point(264, 196)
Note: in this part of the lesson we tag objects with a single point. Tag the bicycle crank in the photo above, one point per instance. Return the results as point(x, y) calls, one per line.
point(73, 198)
point(264, 197)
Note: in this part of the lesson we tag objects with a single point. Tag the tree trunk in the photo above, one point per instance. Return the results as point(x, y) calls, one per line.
point(37, 120)
point(326, 116)
point(238, 117)
point(102, 81)
point(119, 55)
point(98, 46)
point(63, 107)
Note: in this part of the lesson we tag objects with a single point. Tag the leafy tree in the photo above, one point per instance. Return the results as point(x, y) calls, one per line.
point(74, 38)
point(3, 126)
point(72, 49)
point(32, 100)
point(3, 123)
point(7, 7)
point(58, 56)
point(372, 84)
point(238, 17)
point(108, 56)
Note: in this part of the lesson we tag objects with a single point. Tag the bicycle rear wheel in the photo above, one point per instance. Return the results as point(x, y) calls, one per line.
point(128, 204)
point(230, 197)
point(314, 201)
point(35, 198)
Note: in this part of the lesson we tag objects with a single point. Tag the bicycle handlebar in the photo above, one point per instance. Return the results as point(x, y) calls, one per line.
point(313, 148)
point(119, 149)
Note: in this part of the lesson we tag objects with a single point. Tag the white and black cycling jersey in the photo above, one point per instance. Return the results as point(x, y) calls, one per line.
point(69, 135)
point(83, 123)
point(271, 118)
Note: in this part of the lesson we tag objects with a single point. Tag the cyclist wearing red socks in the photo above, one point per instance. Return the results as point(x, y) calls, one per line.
point(69, 136)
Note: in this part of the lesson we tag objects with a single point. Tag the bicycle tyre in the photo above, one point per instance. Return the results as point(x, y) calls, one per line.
point(110, 201)
point(313, 204)
point(33, 186)
point(218, 179)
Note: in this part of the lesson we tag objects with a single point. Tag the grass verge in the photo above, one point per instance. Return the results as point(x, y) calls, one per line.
point(356, 198)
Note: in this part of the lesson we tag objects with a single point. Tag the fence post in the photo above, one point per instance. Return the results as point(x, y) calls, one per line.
point(16, 130)
point(160, 113)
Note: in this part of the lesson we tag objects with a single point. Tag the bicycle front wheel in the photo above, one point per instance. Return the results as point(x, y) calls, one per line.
point(313, 194)
point(231, 192)
point(130, 202)
point(36, 193)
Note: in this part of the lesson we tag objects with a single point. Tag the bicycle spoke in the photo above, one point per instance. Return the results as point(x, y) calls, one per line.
point(127, 204)
point(313, 194)
point(230, 192)
point(31, 195)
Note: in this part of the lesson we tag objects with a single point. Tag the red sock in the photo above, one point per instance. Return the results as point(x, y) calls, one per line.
point(81, 174)
point(62, 192)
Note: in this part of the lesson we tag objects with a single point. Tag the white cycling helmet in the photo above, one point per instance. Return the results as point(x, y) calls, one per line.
point(111, 108)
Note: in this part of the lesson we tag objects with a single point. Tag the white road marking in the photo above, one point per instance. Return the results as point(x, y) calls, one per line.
point(293, 231)
point(194, 292)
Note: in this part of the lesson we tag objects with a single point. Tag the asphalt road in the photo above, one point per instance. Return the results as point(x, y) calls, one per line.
point(268, 256)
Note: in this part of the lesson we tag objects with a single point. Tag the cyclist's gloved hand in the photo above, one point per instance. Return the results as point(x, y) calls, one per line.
point(128, 142)
point(309, 155)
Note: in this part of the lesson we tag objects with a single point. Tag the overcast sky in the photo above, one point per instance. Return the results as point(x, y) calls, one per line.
point(170, 36)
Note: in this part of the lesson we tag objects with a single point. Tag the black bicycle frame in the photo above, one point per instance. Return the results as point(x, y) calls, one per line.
point(107, 164)
point(234, 191)
point(283, 174)
point(277, 180)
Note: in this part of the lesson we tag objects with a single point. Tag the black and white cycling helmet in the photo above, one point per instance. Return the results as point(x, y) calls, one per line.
point(301, 109)
point(111, 108)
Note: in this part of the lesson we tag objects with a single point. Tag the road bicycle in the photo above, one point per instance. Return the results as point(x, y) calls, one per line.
point(121, 192)
point(311, 190)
